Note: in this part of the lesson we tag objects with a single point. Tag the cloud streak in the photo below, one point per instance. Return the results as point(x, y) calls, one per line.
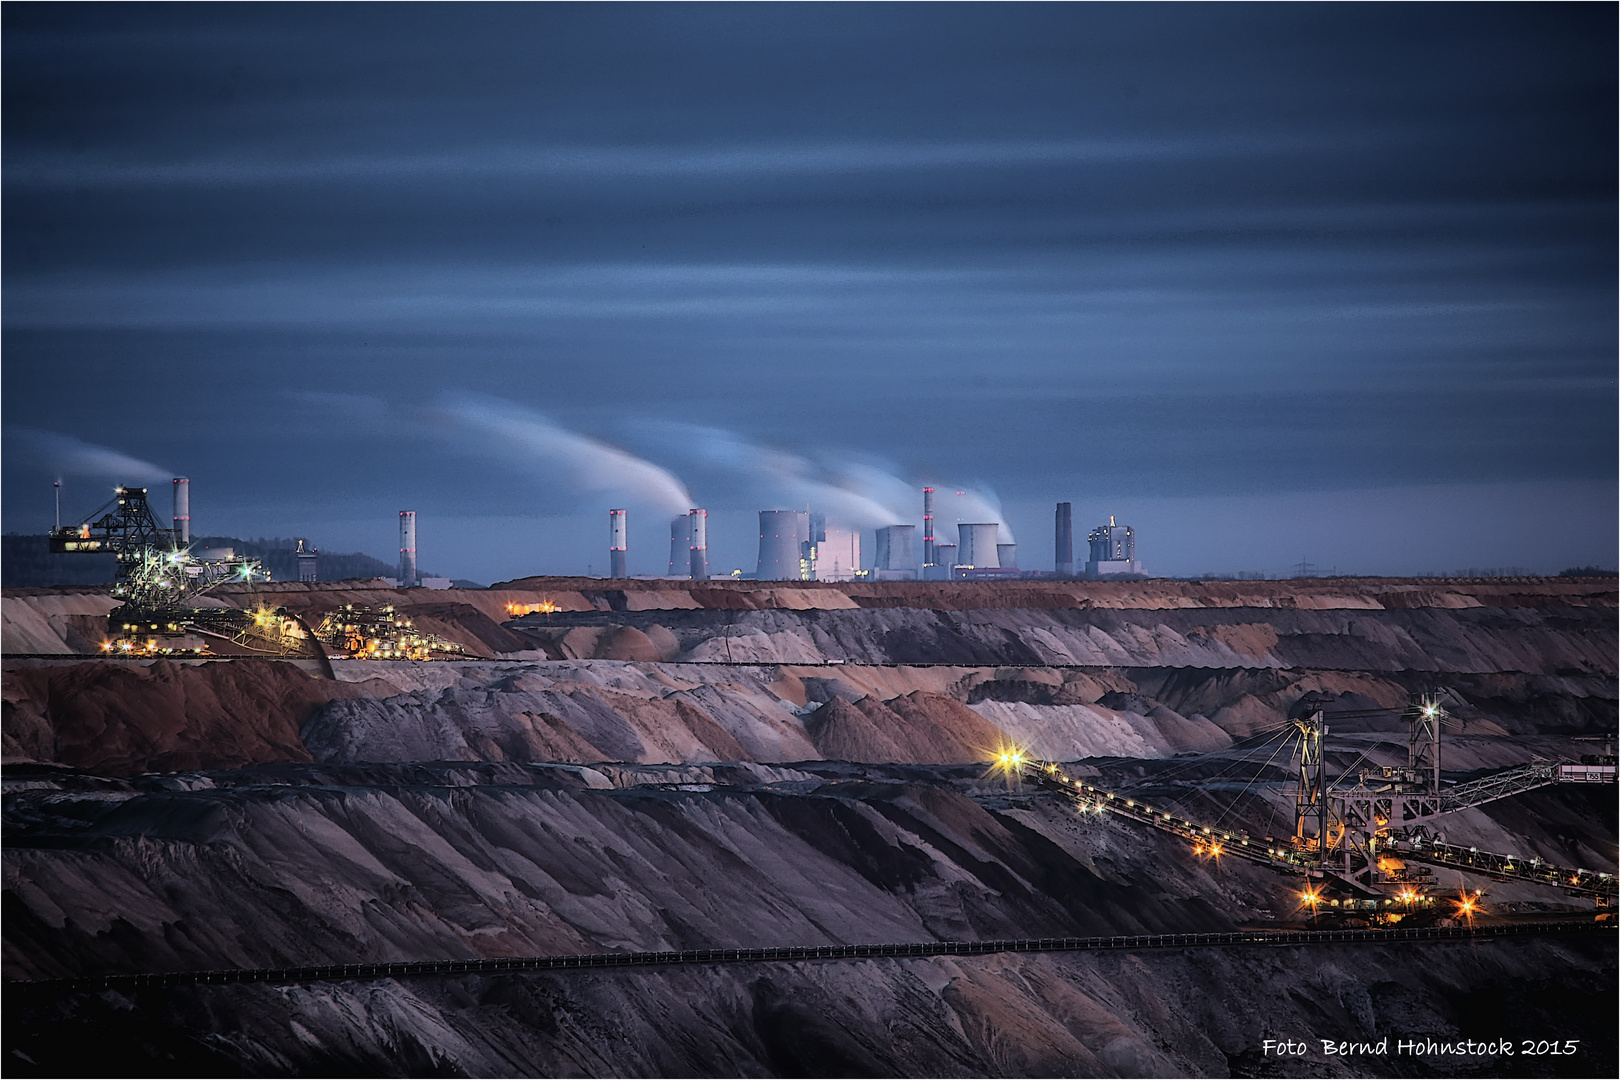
point(67, 456)
point(534, 442)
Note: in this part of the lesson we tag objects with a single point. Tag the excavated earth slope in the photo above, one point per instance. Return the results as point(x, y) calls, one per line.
point(675, 765)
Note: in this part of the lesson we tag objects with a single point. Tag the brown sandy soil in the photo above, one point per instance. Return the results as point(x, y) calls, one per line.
point(121, 718)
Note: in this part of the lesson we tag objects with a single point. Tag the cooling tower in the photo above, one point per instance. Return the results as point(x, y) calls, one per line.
point(1007, 556)
point(896, 548)
point(182, 510)
point(1063, 541)
point(781, 534)
point(945, 553)
point(977, 544)
point(618, 547)
point(700, 544)
point(407, 550)
point(680, 546)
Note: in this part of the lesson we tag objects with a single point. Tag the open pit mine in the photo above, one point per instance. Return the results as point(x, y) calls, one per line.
point(573, 827)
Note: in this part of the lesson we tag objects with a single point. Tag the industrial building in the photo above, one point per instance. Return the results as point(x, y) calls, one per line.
point(836, 555)
point(799, 545)
point(308, 561)
point(1113, 552)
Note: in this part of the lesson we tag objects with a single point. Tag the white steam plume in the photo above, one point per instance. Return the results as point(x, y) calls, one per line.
point(68, 456)
point(859, 494)
point(953, 506)
point(788, 480)
point(553, 451)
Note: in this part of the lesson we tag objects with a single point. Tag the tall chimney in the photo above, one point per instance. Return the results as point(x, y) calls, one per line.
point(618, 549)
point(407, 549)
point(182, 509)
point(928, 526)
point(1063, 557)
point(700, 544)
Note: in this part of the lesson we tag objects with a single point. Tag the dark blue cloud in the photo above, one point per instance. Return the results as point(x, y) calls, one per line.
point(1168, 250)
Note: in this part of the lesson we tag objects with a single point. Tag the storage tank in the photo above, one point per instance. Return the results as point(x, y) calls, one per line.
point(977, 544)
point(782, 534)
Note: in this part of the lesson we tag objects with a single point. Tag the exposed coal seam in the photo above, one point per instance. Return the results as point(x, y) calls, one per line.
point(417, 968)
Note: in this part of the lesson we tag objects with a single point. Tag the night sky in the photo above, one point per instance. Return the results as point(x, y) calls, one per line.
point(1270, 283)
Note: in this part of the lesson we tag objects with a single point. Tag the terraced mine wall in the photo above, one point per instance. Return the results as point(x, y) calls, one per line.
point(667, 767)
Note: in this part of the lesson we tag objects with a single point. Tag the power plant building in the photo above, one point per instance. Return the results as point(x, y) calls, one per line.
point(1113, 552)
point(308, 562)
point(618, 545)
point(837, 554)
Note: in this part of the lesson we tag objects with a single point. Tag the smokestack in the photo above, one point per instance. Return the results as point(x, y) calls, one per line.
point(700, 544)
point(928, 526)
point(1063, 557)
point(182, 509)
point(618, 549)
point(407, 550)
